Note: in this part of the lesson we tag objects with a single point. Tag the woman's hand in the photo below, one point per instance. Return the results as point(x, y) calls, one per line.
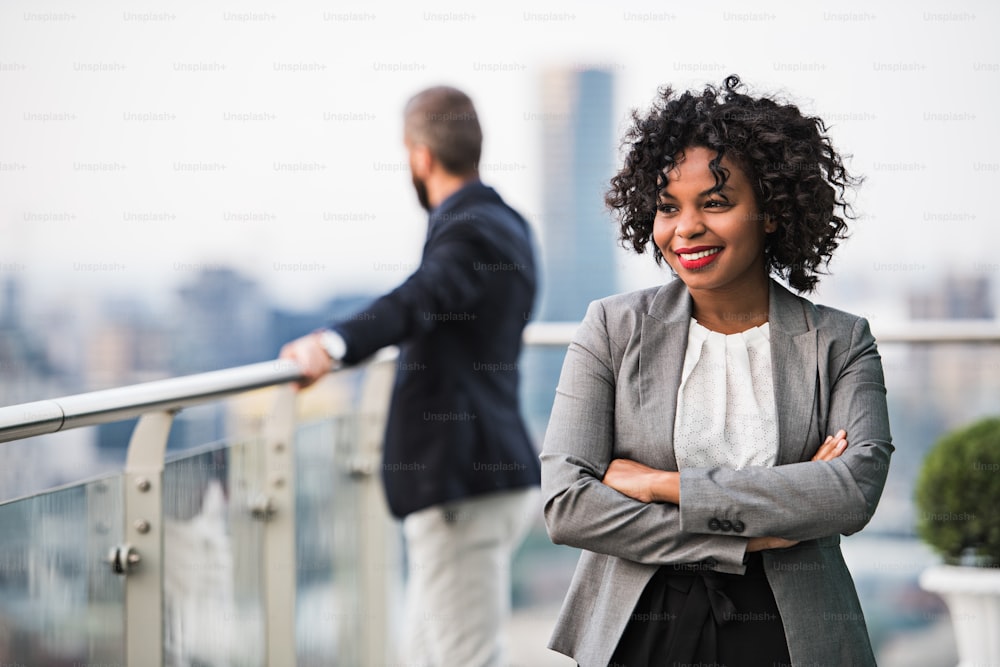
point(832, 447)
point(642, 483)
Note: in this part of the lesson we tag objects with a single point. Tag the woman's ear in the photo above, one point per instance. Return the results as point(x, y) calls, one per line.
point(770, 225)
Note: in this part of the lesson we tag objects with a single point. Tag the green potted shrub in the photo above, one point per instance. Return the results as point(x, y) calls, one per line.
point(958, 515)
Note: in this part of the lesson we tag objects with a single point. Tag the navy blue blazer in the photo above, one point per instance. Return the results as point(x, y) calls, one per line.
point(455, 429)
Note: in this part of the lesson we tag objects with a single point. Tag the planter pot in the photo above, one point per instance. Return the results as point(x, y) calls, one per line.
point(973, 598)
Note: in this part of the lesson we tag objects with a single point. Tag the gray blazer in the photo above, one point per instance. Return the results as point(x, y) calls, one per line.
point(616, 399)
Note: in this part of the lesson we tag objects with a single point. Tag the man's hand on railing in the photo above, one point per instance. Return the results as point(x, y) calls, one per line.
point(308, 352)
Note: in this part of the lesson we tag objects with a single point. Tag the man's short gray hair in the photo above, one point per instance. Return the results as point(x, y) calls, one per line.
point(444, 119)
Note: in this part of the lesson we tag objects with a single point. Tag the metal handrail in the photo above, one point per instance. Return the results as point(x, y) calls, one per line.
point(936, 331)
point(895, 331)
point(107, 405)
point(59, 414)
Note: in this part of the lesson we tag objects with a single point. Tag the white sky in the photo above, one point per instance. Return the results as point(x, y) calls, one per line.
point(911, 90)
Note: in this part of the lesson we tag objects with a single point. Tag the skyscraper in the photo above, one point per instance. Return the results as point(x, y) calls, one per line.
point(577, 233)
point(578, 151)
point(223, 321)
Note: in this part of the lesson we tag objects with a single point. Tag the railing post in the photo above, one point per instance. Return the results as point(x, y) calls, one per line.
point(377, 552)
point(143, 533)
point(278, 562)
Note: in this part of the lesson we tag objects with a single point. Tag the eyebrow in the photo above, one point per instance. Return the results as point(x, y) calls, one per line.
point(711, 191)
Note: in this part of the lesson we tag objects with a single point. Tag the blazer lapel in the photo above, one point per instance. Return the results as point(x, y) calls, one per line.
point(661, 359)
point(662, 348)
point(794, 371)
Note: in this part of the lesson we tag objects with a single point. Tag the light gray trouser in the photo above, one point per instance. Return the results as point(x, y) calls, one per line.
point(458, 587)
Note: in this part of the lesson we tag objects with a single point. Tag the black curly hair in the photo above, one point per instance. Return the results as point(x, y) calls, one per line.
point(798, 179)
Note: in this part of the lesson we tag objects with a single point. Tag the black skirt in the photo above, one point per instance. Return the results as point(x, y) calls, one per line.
point(688, 614)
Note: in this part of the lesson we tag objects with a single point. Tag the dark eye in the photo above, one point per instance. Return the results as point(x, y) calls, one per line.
point(666, 208)
point(717, 203)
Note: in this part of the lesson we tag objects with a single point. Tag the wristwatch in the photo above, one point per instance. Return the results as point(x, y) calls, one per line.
point(333, 344)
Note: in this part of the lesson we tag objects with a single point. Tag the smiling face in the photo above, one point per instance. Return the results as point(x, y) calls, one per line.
point(714, 241)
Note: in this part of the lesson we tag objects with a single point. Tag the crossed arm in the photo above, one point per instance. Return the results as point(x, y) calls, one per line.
point(649, 485)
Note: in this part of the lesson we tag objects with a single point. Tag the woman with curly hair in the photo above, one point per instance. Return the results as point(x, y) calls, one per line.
point(711, 439)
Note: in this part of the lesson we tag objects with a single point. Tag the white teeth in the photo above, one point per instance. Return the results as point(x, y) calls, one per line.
point(698, 255)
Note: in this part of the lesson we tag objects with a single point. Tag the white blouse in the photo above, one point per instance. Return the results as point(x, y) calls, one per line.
point(725, 404)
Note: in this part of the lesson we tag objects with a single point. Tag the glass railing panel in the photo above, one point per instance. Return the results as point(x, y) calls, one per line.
point(213, 612)
point(329, 516)
point(322, 601)
point(349, 588)
point(60, 601)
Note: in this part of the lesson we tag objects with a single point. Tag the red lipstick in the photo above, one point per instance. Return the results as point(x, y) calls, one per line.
point(697, 257)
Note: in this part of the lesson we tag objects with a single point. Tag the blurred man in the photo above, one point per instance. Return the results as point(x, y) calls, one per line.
point(458, 467)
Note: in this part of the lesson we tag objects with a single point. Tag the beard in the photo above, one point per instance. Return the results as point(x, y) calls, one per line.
point(421, 188)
